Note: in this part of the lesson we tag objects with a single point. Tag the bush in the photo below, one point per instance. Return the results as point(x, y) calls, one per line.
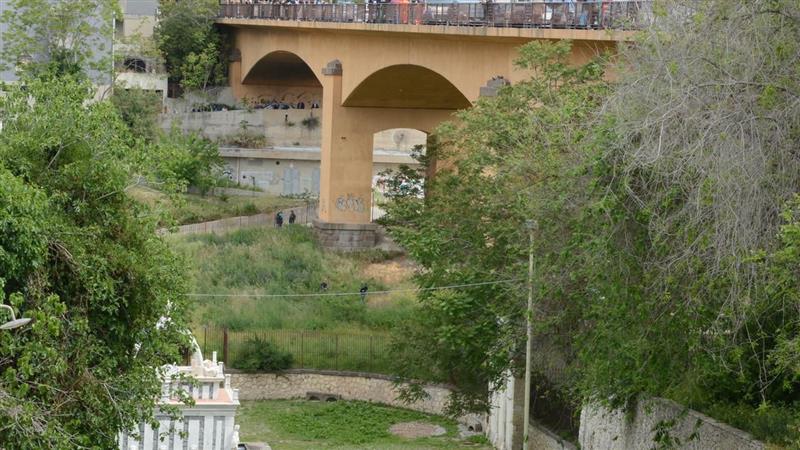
point(139, 110)
point(187, 160)
point(263, 356)
point(310, 122)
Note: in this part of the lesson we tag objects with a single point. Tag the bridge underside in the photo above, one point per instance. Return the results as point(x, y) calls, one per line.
point(367, 82)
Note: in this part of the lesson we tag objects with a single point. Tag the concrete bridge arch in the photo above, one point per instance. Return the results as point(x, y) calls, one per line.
point(372, 77)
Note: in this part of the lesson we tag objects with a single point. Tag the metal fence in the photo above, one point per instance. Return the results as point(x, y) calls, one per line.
point(597, 14)
point(310, 349)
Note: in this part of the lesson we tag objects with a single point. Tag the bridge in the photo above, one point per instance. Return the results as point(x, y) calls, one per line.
point(373, 67)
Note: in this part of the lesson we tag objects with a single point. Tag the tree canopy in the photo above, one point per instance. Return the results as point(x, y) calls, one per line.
point(666, 254)
point(193, 49)
point(64, 36)
point(82, 259)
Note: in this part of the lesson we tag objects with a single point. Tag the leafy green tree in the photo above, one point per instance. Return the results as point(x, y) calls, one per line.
point(186, 159)
point(82, 259)
point(700, 159)
point(193, 49)
point(514, 157)
point(62, 37)
point(139, 110)
point(666, 256)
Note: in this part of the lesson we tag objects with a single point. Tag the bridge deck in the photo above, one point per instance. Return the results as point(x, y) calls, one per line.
point(589, 20)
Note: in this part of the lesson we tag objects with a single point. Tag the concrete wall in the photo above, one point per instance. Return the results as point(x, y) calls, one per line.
point(606, 429)
point(281, 127)
point(294, 170)
point(305, 214)
point(349, 385)
point(504, 422)
point(275, 125)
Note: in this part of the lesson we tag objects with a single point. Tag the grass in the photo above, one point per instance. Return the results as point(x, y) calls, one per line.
point(301, 425)
point(282, 261)
point(191, 208)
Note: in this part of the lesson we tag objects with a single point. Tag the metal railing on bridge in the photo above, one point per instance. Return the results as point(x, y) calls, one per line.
point(597, 14)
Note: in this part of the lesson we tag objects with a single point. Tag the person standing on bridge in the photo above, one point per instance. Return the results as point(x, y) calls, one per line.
point(279, 220)
point(292, 217)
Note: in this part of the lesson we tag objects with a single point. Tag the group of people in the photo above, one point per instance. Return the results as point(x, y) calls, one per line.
point(279, 218)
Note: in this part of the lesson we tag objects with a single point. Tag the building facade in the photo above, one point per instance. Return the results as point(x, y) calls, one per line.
point(209, 424)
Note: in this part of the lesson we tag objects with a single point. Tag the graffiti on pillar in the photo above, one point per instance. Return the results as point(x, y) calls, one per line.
point(351, 203)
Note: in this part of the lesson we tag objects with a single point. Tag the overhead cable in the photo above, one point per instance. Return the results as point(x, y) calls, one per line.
point(371, 293)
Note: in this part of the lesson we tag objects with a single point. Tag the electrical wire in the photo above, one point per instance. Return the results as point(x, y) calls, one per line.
point(370, 293)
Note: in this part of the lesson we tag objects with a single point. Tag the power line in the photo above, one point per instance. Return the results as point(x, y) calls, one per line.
point(339, 294)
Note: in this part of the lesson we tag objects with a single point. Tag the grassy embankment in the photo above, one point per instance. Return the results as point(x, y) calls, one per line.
point(269, 261)
point(323, 332)
point(300, 425)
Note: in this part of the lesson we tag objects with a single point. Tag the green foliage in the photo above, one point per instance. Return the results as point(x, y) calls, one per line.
point(139, 110)
point(55, 37)
point(194, 51)
point(82, 259)
point(199, 68)
point(284, 261)
point(263, 356)
point(663, 263)
point(695, 302)
point(187, 160)
point(514, 157)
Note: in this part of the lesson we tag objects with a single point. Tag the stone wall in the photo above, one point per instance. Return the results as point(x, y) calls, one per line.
point(346, 237)
point(606, 429)
point(348, 385)
point(504, 423)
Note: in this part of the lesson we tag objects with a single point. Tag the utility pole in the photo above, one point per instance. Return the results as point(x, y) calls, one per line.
point(530, 225)
point(113, 33)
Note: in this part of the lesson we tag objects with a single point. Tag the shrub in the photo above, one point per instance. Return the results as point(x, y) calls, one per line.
point(310, 122)
point(263, 356)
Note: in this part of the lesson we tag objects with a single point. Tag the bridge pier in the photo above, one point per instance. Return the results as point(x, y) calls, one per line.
point(345, 199)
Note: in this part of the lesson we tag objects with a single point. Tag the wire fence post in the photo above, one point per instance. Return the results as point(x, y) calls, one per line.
point(371, 359)
point(225, 346)
point(302, 349)
point(205, 338)
point(336, 353)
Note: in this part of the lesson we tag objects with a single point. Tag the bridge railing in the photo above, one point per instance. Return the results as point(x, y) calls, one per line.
point(597, 14)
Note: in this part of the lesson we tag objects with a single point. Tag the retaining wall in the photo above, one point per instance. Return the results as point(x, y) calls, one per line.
point(504, 423)
point(348, 385)
point(281, 127)
point(602, 428)
point(304, 215)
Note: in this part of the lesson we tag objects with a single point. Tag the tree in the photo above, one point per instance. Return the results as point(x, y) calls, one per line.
point(82, 259)
point(193, 49)
point(139, 110)
point(63, 36)
point(184, 160)
point(701, 141)
point(666, 259)
point(514, 157)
